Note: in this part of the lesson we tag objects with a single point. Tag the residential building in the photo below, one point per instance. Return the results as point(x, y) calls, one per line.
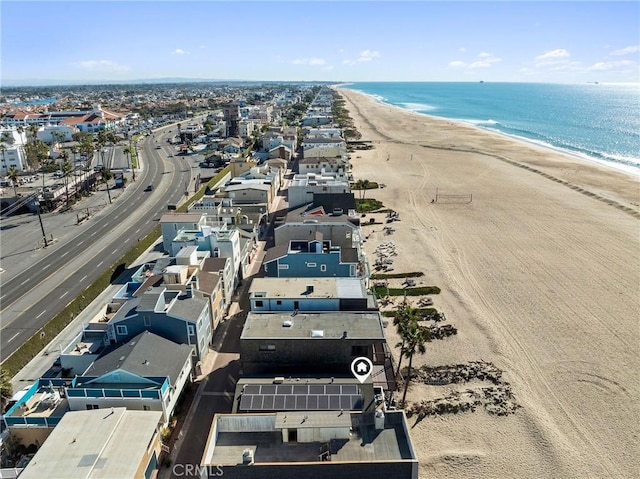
point(305, 343)
point(171, 223)
point(12, 154)
point(342, 228)
point(323, 142)
point(313, 258)
point(146, 373)
point(310, 444)
point(303, 186)
point(172, 315)
point(312, 294)
point(322, 166)
point(98, 444)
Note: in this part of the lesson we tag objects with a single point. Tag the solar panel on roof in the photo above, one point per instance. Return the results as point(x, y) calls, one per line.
point(267, 404)
point(284, 389)
point(316, 388)
point(333, 388)
point(251, 389)
point(245, 402)
point(301, 402)
point(323, 402)
point(300, 389)
point(289, 402)
point(334, 402)
point(268, 389)
point(345, 402)
point(256, 403)
point(278, 403)
point(349, 389)
point(312, 402)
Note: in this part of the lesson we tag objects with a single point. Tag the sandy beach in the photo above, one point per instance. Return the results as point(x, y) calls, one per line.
point(539, 273)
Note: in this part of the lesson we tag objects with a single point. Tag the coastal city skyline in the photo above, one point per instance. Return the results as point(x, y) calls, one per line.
point(555, 42)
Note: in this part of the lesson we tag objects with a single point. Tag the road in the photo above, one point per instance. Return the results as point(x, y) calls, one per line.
point(42, 289)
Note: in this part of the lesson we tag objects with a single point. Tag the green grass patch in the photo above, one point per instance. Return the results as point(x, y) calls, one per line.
point(421, 312)
point(382, 291)
point(396, 275)
point(34, 345)
point(368, 205)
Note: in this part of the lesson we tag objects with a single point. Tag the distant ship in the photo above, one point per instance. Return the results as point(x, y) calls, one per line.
point(481, 81)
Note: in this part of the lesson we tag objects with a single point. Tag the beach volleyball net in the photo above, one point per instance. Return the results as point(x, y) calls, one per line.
point(453, 199)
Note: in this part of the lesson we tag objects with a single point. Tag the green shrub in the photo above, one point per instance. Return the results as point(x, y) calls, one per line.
point(382, 291)
point(416, 274)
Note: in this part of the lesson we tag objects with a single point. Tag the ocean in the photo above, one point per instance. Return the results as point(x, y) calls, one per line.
point(598, 122)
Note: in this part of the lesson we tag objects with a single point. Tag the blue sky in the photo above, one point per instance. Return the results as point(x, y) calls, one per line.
point(544, 41)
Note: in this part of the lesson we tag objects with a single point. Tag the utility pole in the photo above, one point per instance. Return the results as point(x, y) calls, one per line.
point(44, 236)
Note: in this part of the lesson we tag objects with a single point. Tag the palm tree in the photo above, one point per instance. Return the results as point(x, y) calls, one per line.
point(3, 148)
point(415, 339)
point(6, 388)
point(404, 319)
point(13, 177)
point(66, 169)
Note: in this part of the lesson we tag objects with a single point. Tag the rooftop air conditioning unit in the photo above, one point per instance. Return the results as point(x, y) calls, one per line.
point(287, 323)
point(278, 380)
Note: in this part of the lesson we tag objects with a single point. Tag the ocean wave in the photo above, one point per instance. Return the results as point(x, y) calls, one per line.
point(477, 122)
point(418, 106)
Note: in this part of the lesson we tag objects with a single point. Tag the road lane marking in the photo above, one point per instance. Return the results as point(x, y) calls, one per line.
point(114, 251)
point(66, 293)
point(41, 314)
point(64, 254)
point(94, 233)
point(137, 230)
point(83, 278)
point(13, 337)
point(80, 242)
point(25, 281)
point(100, 263)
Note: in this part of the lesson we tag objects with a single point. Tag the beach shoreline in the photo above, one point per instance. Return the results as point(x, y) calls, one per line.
point(538, 271)
point(633, 171)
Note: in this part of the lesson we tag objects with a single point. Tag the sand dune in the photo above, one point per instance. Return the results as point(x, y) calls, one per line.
point(540, 275)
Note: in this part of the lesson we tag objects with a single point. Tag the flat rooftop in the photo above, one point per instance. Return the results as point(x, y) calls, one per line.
point(297, 288)
point(96, 444)
point(327, 325)
point(262, 434)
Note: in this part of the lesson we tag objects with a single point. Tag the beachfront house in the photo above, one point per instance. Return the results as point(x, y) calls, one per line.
point(313, 294)
point(312, 258)
point(341, 227)
point(326, 342)
point(310, 444)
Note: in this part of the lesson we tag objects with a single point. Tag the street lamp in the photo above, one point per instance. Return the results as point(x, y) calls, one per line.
point(44, 236)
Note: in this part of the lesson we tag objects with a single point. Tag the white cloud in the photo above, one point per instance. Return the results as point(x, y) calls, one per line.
point(365, 56)
point(104, 66)
point(457, 64)
point(309, 61)
point(553, 55)
point(626, 50)
point(368, 55)
point(486, 60)
point(603, 66)
point(180, 51)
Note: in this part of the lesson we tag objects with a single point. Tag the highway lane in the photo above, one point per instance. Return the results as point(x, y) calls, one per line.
point(76, 263)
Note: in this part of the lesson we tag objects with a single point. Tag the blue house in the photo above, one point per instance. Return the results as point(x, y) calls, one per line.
point(312, 258)
point(173, 315)
point(146, 373)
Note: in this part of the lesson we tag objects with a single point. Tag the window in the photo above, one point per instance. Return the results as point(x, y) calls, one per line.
point(147, 321)
point(92, 406)
point(267, 347)
point(191, 329)
point(146, 408)
point(279, 302)
point(259, 304)
point(283, 266)
point(122, 330)
point(311, 265)
point(323, 267)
